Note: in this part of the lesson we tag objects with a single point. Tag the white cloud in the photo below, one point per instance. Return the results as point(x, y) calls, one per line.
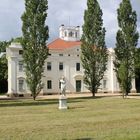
point(10, 23)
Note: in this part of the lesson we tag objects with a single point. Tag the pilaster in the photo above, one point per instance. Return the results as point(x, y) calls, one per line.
point(12, 76)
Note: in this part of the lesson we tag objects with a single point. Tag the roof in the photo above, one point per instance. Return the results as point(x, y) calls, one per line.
point(60, 44)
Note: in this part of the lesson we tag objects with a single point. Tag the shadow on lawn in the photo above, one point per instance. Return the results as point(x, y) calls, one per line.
point(92, 98)
point(40, 102)
point(29, 102)
point(26, 102)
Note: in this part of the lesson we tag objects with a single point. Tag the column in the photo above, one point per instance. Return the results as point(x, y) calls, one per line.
point(112, 73)
point(133, 90)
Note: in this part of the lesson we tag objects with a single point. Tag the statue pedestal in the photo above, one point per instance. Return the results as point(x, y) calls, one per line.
point(62, 102)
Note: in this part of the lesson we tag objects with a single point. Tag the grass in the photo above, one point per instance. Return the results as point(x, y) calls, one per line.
point(108, 118)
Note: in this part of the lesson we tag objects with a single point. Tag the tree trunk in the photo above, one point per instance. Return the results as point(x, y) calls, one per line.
point(123, 95)
point(34, 96)
point(93, 93)
point(126, 93)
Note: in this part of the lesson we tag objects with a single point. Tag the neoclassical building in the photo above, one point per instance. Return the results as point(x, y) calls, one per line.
point(64, 60)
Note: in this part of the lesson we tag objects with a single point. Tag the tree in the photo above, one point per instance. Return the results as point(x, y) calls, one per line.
point(3, 74)
point(3, 67)
point(17, 40)
point(35, 35)
point(127, 38)
point(137, 60)
point(94, 52)
point(3, 45)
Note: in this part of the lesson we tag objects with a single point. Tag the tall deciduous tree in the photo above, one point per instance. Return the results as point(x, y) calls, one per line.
point(94, 52)
point(35, 35)
point(127, 38)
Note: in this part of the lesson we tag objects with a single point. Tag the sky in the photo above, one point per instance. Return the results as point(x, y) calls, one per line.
point(67, 12)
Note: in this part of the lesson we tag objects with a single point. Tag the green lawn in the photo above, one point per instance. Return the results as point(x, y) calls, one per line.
point(108, 118)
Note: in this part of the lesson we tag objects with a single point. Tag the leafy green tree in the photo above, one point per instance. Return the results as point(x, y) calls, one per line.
point(17, 40)
point(3, 60)
point(35, 35)
point(3, 66)
point(94, 52)
point(137, 59)
point(127, 38)
point(3, 45)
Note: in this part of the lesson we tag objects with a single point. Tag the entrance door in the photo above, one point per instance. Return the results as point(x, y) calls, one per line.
point(78, 85)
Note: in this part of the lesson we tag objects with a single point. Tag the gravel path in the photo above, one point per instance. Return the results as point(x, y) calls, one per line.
point(117, 95)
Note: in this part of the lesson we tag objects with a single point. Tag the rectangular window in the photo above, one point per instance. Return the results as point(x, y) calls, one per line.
point(20, 65)
point(104, 83)
point(60, 54)
point(59, 85)
point(49, 84)
point(77, 66)
point(20, 52)
point(78, 85)
point(61, 66)
point(76, 34)
point(71, 34)
point(21, 85)
point(49, 66)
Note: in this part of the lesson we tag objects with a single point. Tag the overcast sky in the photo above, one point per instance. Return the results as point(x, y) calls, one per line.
point(67, 12)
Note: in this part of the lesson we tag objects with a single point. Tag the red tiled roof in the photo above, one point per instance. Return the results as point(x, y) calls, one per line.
point(60, 44)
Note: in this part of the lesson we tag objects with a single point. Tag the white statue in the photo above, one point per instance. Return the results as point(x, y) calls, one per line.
point(63, 86)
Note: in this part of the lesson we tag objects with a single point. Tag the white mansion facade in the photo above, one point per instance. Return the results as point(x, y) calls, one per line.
point(63, 60)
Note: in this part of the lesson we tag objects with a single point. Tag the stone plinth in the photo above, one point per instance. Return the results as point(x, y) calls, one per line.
point(62, 102)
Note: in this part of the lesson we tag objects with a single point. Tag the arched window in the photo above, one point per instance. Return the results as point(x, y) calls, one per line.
point(71, 34)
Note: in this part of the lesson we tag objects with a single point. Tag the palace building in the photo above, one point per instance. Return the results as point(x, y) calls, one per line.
point(63, 60)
